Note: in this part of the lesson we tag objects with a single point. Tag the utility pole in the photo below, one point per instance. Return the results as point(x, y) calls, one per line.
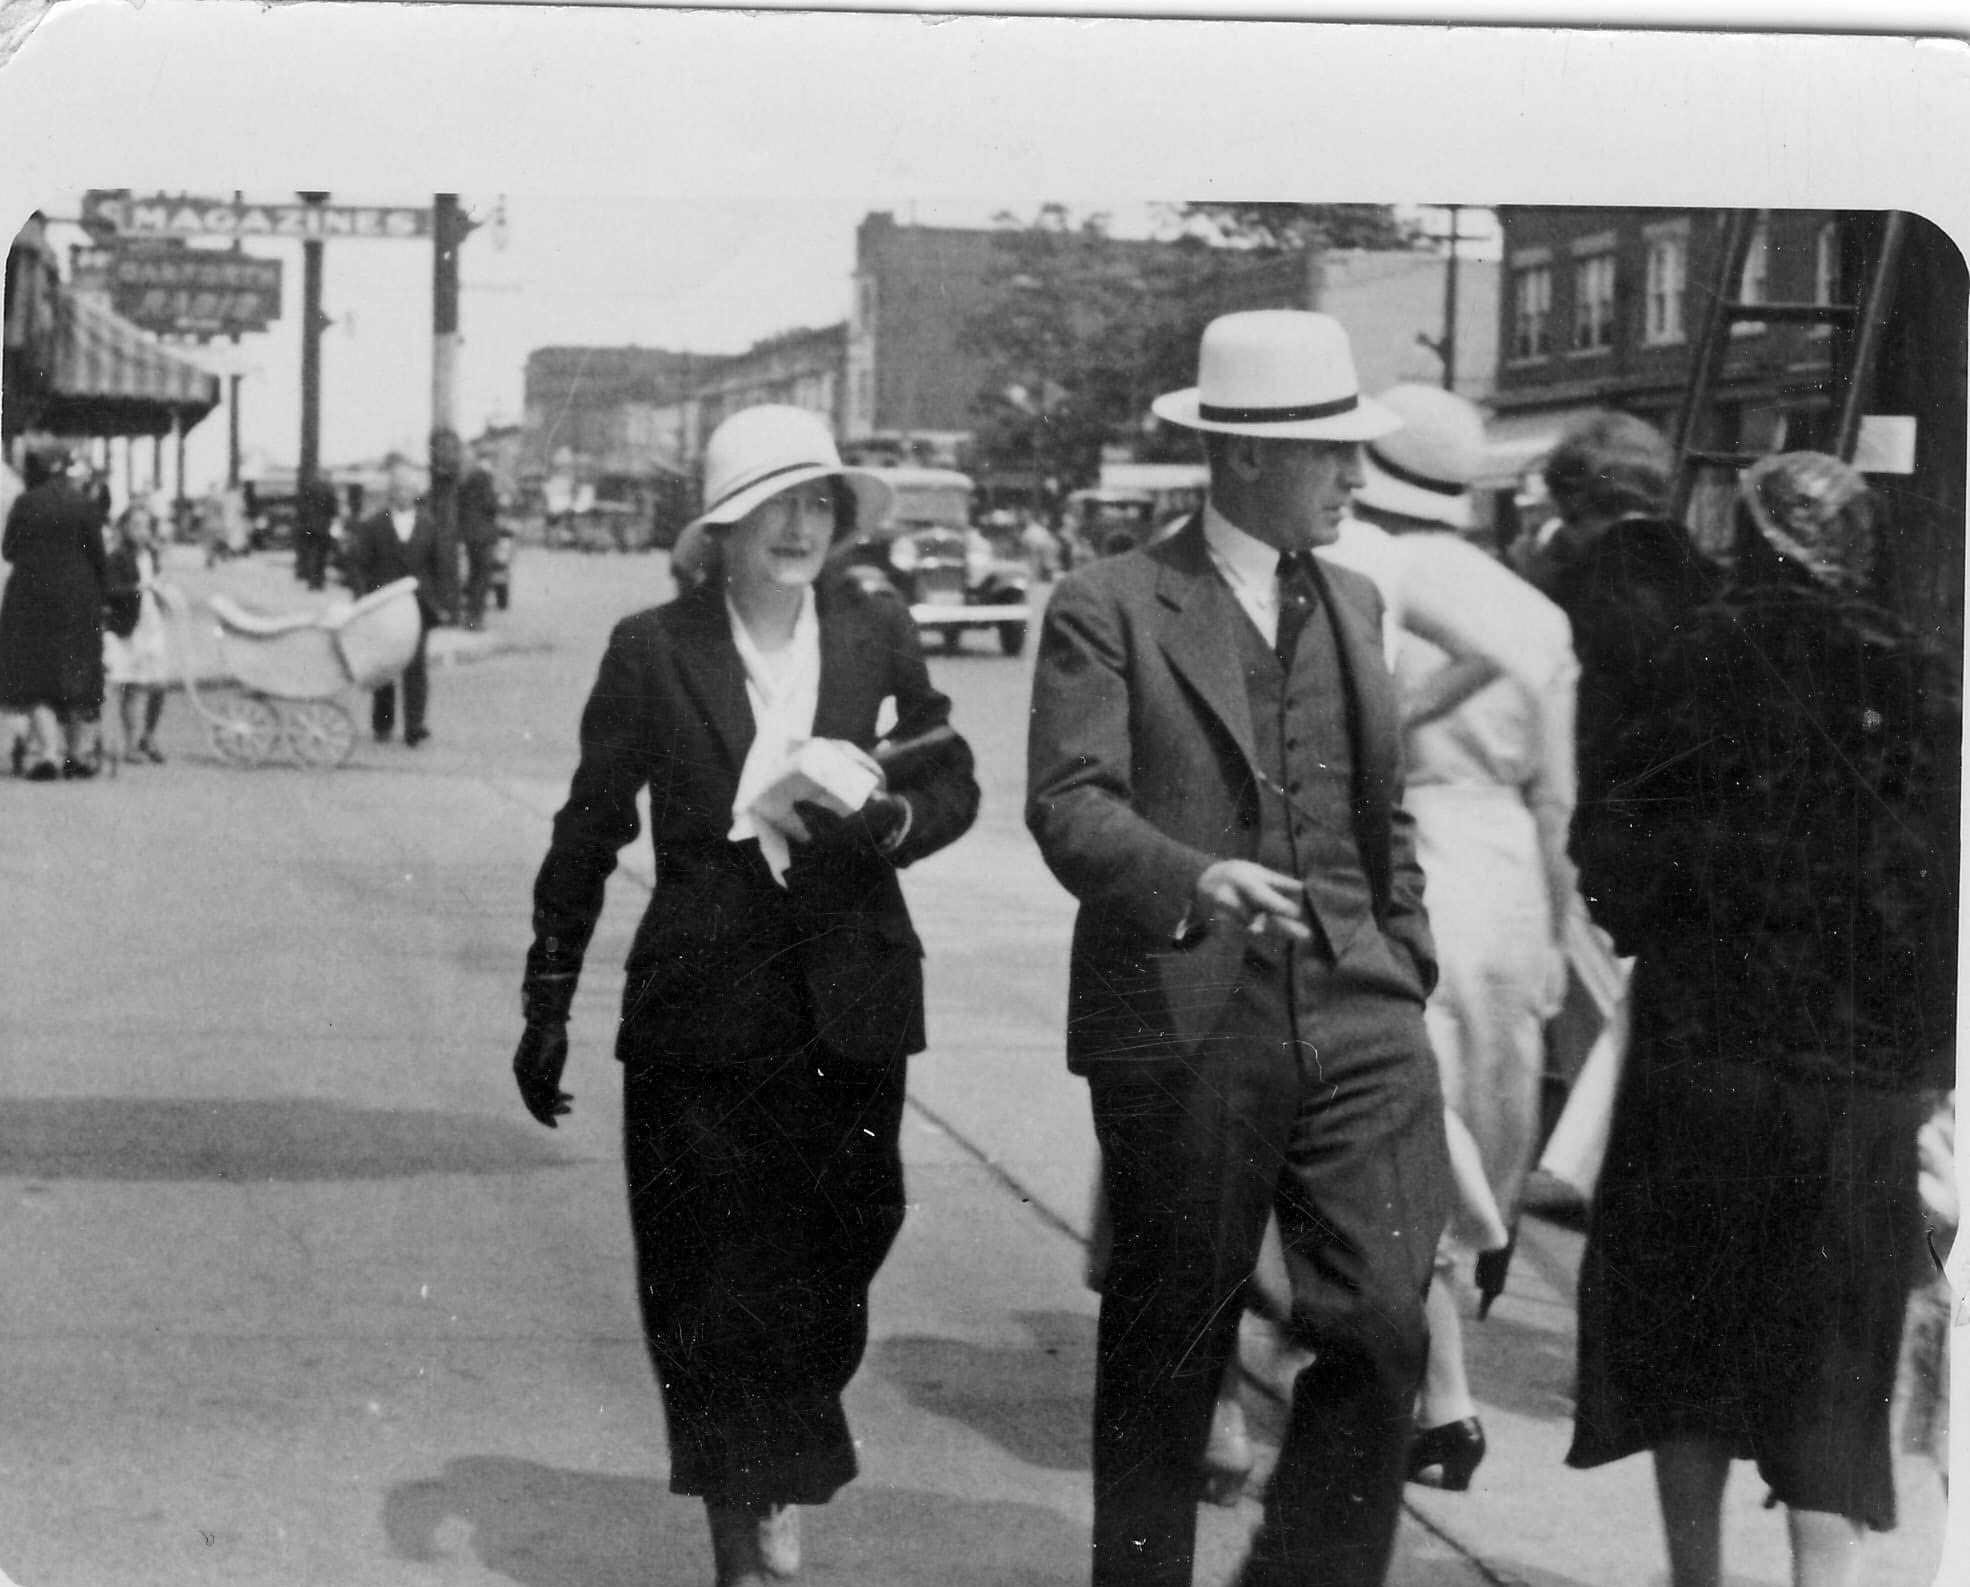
point(232, 390)
point(448, 229)
point(1448, 351)
point(311, 329)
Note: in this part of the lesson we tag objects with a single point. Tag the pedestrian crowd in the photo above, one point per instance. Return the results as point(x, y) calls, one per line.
point(1349, 803)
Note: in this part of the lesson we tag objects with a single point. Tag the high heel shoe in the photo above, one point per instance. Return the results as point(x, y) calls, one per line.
point(1450, 1451)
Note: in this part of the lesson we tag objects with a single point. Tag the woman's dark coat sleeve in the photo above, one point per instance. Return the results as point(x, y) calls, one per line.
point(598, 819)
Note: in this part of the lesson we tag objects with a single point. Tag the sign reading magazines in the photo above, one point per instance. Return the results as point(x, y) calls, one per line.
point(185, 216)
point(194, 292)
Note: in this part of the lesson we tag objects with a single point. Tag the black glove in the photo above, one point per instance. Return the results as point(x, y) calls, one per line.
point(537, 1065)
point(868, 828)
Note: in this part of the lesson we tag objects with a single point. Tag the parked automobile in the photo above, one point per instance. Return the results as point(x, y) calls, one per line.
point(1099, 523)
point(954, 578)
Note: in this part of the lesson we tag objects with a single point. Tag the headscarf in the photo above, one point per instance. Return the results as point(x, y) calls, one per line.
point(1817, 513)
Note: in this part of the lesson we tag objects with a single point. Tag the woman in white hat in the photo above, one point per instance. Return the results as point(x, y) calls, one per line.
point(1485, 672)
point(774, 989)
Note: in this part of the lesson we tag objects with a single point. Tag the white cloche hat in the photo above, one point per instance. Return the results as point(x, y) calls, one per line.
point(759, 452)
point(1425, 469)
point(1284, 373)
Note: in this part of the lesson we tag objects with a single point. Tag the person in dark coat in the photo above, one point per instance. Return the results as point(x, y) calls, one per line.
point(399, 542)
point(314, 530)
point(775, 987)
point(1623, 571)
point(1777, 845)
point(478, 535)
point(51, 619)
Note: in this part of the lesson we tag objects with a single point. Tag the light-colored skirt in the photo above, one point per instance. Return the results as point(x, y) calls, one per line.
point(144, 657)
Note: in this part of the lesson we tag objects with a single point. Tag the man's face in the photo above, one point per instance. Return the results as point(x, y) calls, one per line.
point(402, 489)
point(1305, 487)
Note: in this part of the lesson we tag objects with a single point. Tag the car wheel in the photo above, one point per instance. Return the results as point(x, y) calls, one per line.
point(1012, 638)
point(953, 638)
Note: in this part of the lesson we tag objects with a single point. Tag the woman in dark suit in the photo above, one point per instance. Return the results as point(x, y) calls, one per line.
point(51, 619)
point(775, 987)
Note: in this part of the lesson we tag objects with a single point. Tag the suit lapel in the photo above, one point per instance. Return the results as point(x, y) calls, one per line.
point(709, 666)
point(1197, 638)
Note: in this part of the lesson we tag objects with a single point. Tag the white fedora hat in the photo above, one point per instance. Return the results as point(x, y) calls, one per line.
point(1286, 373)
point(1425, 469)
point(759, 452)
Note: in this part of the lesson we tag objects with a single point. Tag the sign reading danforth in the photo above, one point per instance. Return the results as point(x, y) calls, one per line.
point(182, 216)
point(195, 292)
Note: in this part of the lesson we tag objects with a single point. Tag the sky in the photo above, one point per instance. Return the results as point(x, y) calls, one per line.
point(688, 274)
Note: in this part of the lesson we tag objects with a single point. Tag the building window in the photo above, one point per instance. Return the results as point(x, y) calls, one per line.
point(1532, 311)
point(1668, 270)
point(1593, 303)
point(1755, 284)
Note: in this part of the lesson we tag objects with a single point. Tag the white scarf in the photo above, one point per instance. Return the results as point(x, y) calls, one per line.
point(784, 690)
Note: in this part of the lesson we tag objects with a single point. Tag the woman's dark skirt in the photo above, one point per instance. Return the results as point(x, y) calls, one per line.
point(1746, 1276)
point(763, 1198)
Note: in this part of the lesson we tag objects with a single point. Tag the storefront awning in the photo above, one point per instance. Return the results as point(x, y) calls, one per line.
point(108, 377)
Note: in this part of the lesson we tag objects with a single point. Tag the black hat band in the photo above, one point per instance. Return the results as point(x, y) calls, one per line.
point(1311, 410)
point(1394, 470)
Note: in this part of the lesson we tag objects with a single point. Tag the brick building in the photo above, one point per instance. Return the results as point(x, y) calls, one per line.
point(599, 403)
point(1603, 308)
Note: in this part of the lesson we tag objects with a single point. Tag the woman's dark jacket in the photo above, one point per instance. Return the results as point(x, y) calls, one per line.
point(1778, 839)
point(123, 591)
point(51, 616)
point(723, 948)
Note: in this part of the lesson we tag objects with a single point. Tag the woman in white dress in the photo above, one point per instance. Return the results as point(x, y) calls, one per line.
point(136, 649)
point(1485, 671)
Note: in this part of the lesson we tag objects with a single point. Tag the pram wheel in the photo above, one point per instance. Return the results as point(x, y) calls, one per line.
point(244, 729)
point(319, 732)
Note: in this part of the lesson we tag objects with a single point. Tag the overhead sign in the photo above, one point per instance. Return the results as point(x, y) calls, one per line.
point(195, 291)
point(184, 216)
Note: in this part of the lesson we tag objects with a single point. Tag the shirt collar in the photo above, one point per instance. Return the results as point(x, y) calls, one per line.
point(1246, 558)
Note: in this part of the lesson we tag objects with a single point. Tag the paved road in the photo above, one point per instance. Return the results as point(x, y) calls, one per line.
point(294, 1293)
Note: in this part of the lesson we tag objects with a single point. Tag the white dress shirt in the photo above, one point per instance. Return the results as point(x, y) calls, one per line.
point(1249, 566)
point(404, 521)
point(783, 688)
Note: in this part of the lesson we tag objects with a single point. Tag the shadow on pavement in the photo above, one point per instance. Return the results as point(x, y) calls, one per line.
point(286, 1140)
point(1034, 1401)
point(541, 1526)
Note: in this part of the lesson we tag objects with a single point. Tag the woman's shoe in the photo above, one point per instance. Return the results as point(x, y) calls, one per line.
point(149, 752)
point(779, 1541)
point(78, 770)
point(1445, 1456)
point(1227, 1454)
point(43, 771)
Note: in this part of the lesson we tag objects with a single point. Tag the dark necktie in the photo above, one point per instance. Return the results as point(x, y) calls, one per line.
point(1299, 596)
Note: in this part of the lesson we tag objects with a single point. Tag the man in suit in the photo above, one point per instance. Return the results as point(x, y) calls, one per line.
point(1214, 772)
point(400, 542)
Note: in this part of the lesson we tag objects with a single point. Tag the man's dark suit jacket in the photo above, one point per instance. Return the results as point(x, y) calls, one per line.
point(376, 557)
point(669, 712)
point(1142, 770)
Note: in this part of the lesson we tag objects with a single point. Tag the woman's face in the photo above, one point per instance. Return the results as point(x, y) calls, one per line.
point(783, 542)
point(137, 527)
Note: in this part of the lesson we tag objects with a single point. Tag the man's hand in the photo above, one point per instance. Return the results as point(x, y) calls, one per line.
point(1242, 895)
point(537, 1065)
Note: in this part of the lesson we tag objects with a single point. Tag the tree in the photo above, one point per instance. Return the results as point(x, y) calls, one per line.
point(1283, 227)
point(1062, 333)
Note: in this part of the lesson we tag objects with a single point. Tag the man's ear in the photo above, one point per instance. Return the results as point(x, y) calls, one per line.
point(1244, 456)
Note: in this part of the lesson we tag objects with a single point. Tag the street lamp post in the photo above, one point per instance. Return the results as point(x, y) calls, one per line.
point(311, 329)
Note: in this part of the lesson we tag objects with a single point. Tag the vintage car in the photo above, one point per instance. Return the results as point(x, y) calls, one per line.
point(1099, 523)
point(953, 577)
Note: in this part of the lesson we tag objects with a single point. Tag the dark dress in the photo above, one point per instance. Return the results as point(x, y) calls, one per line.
point(763, 1032)
point(1776, 843)
point(51, 615)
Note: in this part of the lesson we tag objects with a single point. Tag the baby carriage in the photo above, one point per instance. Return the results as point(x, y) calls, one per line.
point(284, 671)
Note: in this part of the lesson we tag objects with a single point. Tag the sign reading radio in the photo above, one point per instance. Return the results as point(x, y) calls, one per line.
point(193, 292)
point(216, 217)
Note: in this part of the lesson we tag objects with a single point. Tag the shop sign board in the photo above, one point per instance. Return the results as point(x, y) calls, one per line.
point(194, 291)
point(183, 215)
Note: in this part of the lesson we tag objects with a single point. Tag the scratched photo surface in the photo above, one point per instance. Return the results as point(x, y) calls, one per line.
point(361, 378)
